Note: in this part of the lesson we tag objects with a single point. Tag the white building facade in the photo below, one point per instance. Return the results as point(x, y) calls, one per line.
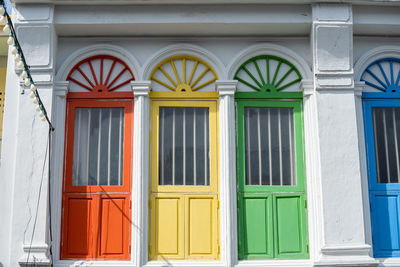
point(335, 64)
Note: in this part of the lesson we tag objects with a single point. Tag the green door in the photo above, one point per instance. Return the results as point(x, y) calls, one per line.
point(271, 197)
point(270, 160)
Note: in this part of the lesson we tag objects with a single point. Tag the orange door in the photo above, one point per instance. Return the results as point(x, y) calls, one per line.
point(97, 190)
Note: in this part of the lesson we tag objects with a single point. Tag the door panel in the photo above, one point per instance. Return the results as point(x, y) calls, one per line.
point(168, 226)
point(385, 213)
point(114, 226)
point(257, 224)
point(78, 226)
point(202, 222)
point(290, 226)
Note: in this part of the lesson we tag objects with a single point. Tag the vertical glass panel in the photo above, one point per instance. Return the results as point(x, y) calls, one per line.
point(98, 146)
point(264, 143)
point(178, 136)
point(386, 123)
point(184, 146)
point(116, 148)
point(275, 146)
point(166, 145)
point(189, 145)
point(269, 146)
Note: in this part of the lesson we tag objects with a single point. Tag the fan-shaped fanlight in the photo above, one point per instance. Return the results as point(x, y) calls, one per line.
point(183, 73)
point(383, 74)
point(267, 73)
point(101, 73)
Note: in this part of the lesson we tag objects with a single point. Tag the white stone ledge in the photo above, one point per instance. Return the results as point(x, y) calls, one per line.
point(346, 255)
point(273, 263)
point(389, 261)
point(82, 263)
point(185, 263)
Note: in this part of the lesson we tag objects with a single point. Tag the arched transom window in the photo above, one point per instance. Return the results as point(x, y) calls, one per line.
point(183, 73)
point(100, 74)
point(267, 75)
point(382, 75)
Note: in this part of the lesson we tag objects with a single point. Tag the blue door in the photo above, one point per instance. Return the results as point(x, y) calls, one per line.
point(381, 109)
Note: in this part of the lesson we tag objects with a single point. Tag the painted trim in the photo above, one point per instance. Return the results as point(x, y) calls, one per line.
point(93, 50)
point(212, 106)
point(270, 49)
point(178, 49)
point(372, 55)
point(183, 95)
point(180, 84)
point(298, 139)
point(267, 86)
point(104, 84)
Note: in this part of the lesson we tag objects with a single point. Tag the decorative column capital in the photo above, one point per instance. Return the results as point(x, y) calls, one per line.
point(226, 87)
point(141, 88)
point(61, 88)
point(358, 88)
point(307, 86)
point(36, 254)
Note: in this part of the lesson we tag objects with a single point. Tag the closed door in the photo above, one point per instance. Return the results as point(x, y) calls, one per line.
point(382, 129)
point(271, 195)
point(184, 184)
point(96, 191)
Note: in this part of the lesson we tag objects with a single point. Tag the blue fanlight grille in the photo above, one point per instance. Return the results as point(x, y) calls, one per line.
point(383, 75)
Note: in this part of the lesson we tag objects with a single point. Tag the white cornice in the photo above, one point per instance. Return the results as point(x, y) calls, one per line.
point(191, 2)
point(206, 18)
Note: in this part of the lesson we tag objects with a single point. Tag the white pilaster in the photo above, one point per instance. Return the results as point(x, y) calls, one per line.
point(359, 87)
point(313, 171)
point(343, 241)
point(226, 90)
point(57, 164)
point(30, 225)
point(140, 172)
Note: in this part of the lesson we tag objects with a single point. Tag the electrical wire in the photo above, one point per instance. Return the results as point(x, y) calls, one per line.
point(26, 66)
point(49, 199)
point(37, 204)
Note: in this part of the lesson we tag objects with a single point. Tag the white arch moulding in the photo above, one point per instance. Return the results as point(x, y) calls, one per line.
point(103, 49)
point(188, 49)
point(372, 55)
point(270, 49)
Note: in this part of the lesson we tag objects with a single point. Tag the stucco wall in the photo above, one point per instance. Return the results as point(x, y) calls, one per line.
point(338, 214)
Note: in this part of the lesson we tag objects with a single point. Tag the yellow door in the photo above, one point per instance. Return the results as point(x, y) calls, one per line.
point(184, 184)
